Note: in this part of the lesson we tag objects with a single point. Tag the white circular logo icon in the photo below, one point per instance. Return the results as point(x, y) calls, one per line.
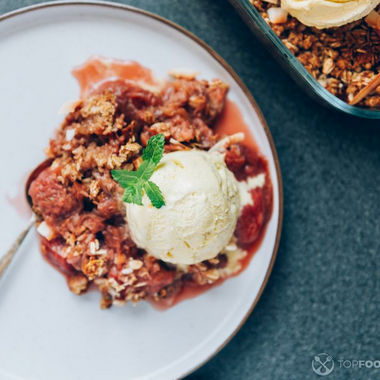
point(322, 364)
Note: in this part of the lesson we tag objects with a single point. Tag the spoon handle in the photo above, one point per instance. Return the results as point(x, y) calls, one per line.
point(7, 258)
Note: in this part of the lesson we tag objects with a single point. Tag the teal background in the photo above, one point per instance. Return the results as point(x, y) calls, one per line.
point(323, 294)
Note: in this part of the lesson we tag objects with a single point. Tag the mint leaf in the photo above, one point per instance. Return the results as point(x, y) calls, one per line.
point(133, 194)
point(146, 170)
point(154, 149)
point(135, 182)
point(124, 177)
point(154, 194)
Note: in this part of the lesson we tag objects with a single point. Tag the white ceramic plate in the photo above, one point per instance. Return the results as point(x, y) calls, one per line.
point(47, 333)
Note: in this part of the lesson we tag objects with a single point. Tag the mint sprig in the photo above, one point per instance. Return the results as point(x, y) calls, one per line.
point(137, 182)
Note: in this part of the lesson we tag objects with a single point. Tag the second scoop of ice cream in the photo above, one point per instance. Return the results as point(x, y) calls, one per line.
point(328, 13)
point(202, 207)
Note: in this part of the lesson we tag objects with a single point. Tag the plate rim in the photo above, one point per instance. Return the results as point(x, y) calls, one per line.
point(247, 93)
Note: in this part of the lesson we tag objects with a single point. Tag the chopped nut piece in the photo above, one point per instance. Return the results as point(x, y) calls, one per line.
point(161, 128)
point(187, 74)
point(135, 264)
point(328, 66)
point(44, 230)
point(137, 162)
point(78, 284)
point(70, 133)
point(373, 19)
point(94, 189)
point(92, 248)
point(212, 275)
point(201, 266)
point(127, 271)
point(277, 15)
point(106, 301)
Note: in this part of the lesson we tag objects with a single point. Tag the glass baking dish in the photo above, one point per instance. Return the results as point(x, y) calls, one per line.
point(291, 64)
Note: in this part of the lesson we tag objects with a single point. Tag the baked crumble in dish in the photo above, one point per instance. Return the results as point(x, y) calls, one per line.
point(216, 192)
point(345, 60)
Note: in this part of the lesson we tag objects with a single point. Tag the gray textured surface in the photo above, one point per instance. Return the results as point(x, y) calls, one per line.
point(323, 295)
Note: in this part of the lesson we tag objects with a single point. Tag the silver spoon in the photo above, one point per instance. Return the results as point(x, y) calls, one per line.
point(10, 254)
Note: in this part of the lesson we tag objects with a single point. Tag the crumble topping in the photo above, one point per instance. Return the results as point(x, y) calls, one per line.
point(83, 228)
point(344, 60)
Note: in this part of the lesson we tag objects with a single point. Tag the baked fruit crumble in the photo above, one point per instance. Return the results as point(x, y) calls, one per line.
point(81, 207)
point(344, 60)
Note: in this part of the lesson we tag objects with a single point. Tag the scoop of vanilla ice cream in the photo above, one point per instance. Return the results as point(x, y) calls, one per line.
point(328, 13)
point(202, 207)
